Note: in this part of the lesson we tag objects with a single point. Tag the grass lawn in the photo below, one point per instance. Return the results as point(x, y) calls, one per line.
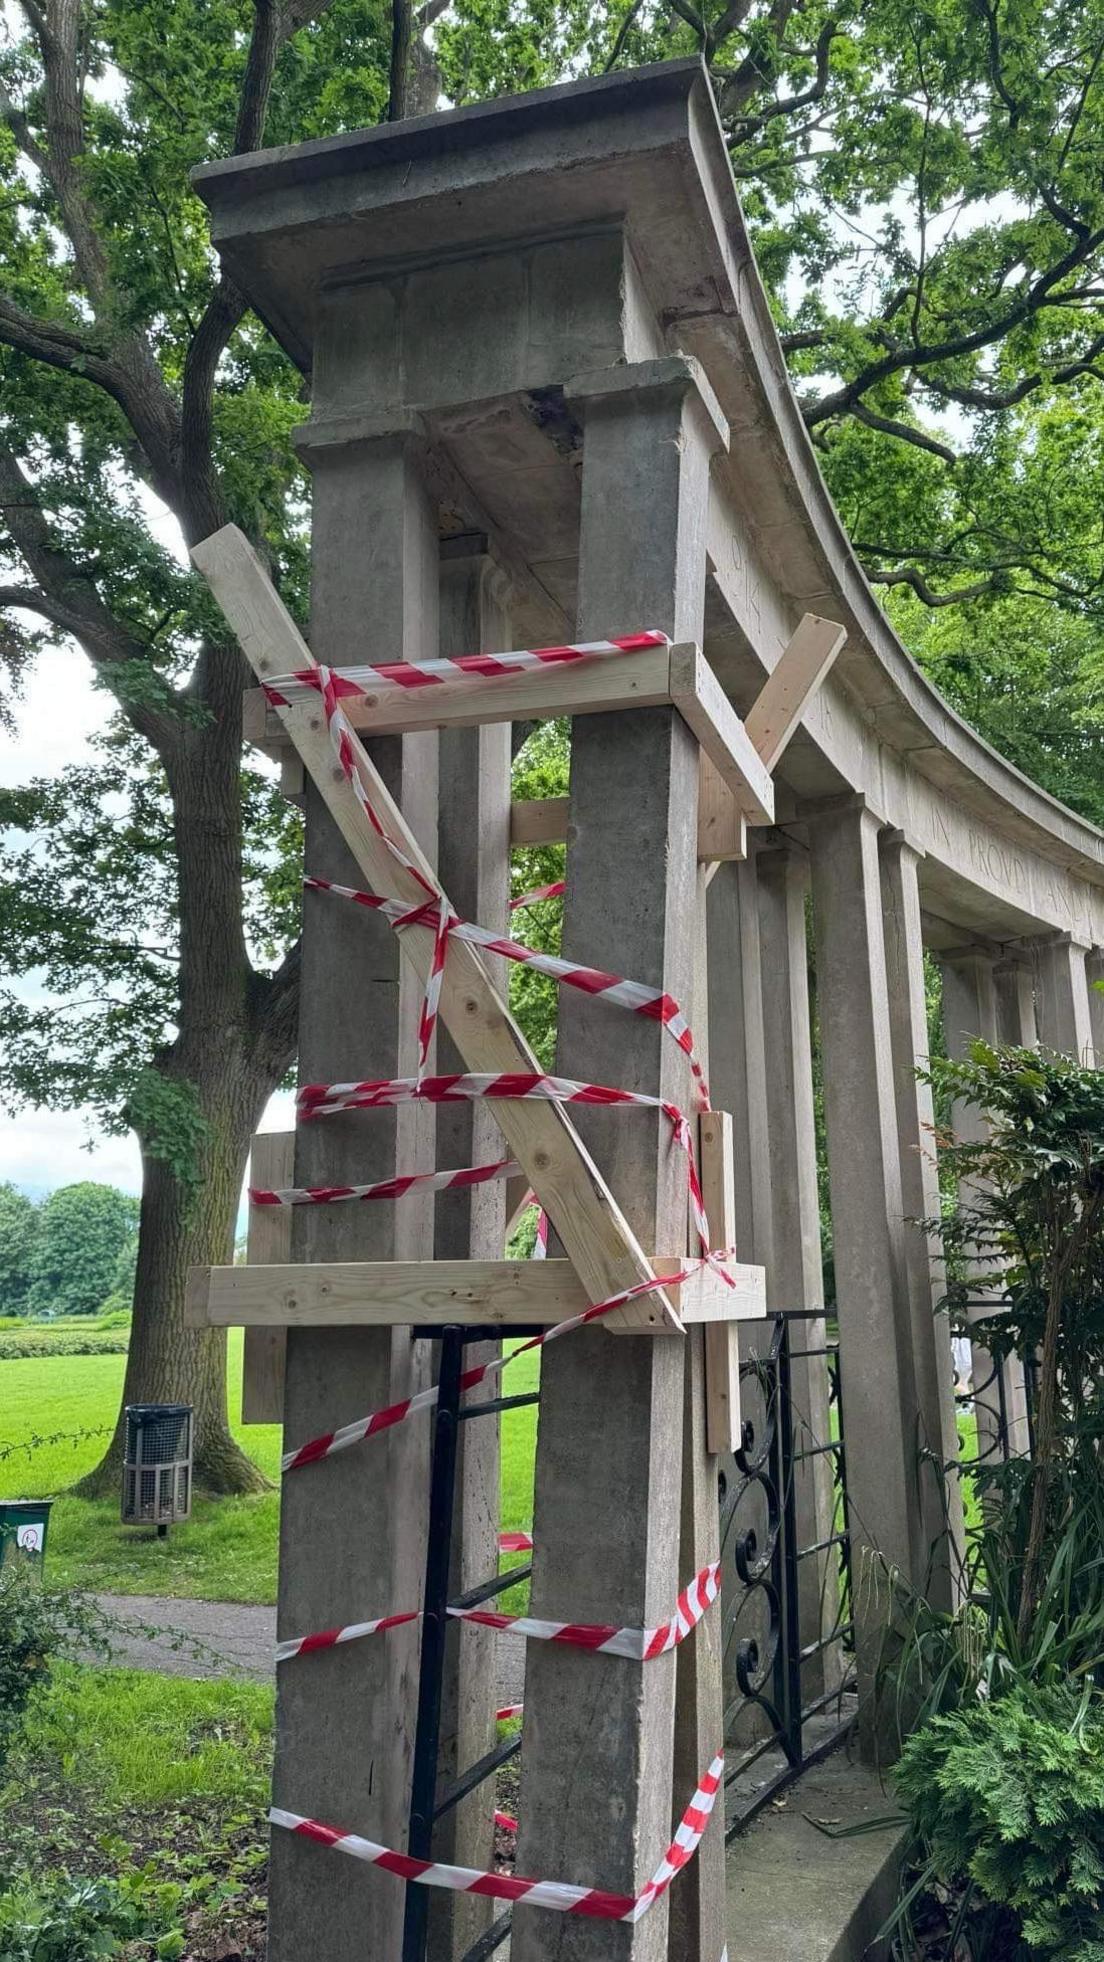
point(157, 1781)
point(227, 1550)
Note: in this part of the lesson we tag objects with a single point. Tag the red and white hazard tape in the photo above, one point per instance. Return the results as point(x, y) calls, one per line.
point(515, 1543)
point(508, 1710)
point(324, 1099)
point(538, 893)
point(329, 1195)
point(397, 1413)
point(284, 689)
point(604, 1638)
point(557, 1895)
point(637, 1644)
point(641, 1000)
point(504, 1820)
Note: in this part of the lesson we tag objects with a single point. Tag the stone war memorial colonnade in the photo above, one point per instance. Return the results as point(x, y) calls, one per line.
point(548, 410)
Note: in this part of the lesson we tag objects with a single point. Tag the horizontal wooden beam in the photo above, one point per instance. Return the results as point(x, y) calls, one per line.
point(722, 827)
point(539, 820)
point(431, 1293)
point(655, 675)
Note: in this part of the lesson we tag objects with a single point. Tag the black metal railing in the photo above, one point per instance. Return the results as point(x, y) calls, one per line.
point(428, 1802)
point(1003, 1432)
point(788, 1629)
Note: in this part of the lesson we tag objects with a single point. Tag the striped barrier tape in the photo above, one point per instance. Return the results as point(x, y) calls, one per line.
point(637, 1644)
point(329, 1195)
point(538, 893)
point(504, 1820)
point(283, 690)
point(397, 1413)
point(508, 1710)
point(633, 995)
point(515, 1543)
point(324, 1099)
point(557, 1895)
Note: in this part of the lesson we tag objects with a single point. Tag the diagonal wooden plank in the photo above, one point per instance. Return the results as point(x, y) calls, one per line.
point(794, 679)
point(597, 1238)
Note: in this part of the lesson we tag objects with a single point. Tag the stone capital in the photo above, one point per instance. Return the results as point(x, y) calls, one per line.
point(331, 438)
point(899, 840)
point(676, 376)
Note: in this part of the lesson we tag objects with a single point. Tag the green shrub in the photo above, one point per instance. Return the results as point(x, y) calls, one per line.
point(60, 1919)
point(34, 1626)
point(1007, 1802)
point(32, 1339)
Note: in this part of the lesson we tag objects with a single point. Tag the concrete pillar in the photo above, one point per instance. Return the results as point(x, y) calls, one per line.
point(940, 1495)
point(1014, 985)
point(795, 1274)
point(352, 1529)
point(473, 865)
point(878, 1376)
point(1062, 997)
point(1094, 975)
point(598, 1764)
point(970, 1012)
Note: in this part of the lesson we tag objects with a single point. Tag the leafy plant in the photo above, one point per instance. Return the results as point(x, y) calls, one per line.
point(35, 1625)
point(1024, 1252)
point(61, 1919)
point(1007, 1801)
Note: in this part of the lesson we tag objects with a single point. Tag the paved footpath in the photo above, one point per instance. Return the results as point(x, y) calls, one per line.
point(228, 1638)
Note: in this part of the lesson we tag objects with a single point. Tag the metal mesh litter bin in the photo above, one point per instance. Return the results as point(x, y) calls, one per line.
point(23, 1527)
point(157, 1470)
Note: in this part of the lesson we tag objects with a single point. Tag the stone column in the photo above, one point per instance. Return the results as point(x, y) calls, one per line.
point(1014, 984)
point(1094, 975)
point(795, 1274)
point(597, 1758)
point(473, 865)
point(878, 1375)
point(940, 1495)
point(1062, 997)
point(970, 1011)
point(352, 1529)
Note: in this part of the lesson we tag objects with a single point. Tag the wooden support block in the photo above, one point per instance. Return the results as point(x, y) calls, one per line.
point(723, 1422)
point(433, 1293)
point(517, 1202)
point(722, 826)
point(597, 1237)
point(271, 1165)
point(539, 820)
point(704, 706)
point(796, 676)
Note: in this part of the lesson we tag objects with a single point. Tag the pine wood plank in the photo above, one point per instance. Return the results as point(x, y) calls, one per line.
point(704, 706)
point(268, 1241)
point(539, 820)
point(431, 1293)
point(722, 1340)
point(795, 678)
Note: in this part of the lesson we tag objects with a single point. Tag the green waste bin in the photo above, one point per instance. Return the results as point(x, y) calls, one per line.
point(23, 1527)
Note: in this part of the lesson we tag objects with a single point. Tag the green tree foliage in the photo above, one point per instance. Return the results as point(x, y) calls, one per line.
point(82, 1231)
point(19, 1220)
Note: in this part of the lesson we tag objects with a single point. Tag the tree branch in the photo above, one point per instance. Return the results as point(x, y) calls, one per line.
point(750, 125)
point(910, 575)
point(904, 431)
point(402, 35)
point(67, 595)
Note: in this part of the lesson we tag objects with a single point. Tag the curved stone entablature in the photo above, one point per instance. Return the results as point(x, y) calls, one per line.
point(506, 251)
